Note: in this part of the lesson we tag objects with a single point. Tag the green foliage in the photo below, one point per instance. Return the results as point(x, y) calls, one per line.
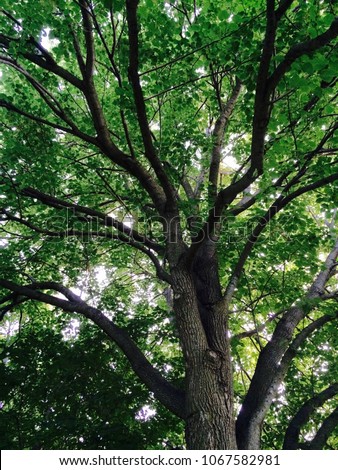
point(62, 393)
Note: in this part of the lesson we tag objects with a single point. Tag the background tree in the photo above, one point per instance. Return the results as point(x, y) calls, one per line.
point(168, 173)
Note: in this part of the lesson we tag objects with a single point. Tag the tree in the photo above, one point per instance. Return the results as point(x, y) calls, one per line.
point(176, 163)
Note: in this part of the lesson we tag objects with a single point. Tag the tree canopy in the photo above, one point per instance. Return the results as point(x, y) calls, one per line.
point(168, 177)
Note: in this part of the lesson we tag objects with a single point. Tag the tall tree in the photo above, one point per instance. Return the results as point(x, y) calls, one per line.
point(189, 147)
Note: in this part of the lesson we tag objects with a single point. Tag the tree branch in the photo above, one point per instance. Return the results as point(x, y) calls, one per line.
point(291, 439)
point(106, 220)
point(73, 131)
point(266, 84)
point(88, 34)
point(329, 425)
point(260, 122)
point(218, 135)
point(167, 394)
point(114, 69)
point(284, 5)
point(121, 237)
point(211, 226)
point(269, 371)
point(44, 59)
point(47, 97)
point(256, 331)
point(262, 94)
point(124, 161)
point(78, 53)
point(274, 209)
point(298, 50)
point(150, 151)
point(103, 140)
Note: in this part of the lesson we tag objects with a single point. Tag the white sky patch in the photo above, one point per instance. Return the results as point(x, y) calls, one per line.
point(9, 328)
point(154, 126)
point(145, 413)
point(310, 435)
point(167, 367)
point(281, 394)
point(3, 242)
point(71, 331)
point(170, 11)
point(231, 162)
point(200, 71)
point(227, 153)
point(17, 26)
point(101, 276)
point(46, 41)
point(322, 256)
point(128, 221)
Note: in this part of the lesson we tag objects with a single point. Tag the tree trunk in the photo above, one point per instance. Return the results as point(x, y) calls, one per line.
point(209, 422)
point(202, 326)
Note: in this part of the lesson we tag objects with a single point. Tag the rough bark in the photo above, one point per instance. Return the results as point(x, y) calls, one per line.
point(202, 325)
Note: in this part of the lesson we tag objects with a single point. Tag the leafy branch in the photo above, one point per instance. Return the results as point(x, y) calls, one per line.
point(171, 397)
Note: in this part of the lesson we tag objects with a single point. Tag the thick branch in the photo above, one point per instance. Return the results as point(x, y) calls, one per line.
point(267, 84)
point(106, 220)
point(301, 49)
point(291, 440)
point(78, 53)
point(88, 34)
point(211, 226)
point(262, 95)
point(274, 209)
point(269, 370)
point(284, 5)
point(169, 396)
point(218, 135)
point(329, 425)
point(89, 89)
point(150, 151)
point(43, 59)
point(114, 68)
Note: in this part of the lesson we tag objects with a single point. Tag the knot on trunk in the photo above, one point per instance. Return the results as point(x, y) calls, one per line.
point(213, 359)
